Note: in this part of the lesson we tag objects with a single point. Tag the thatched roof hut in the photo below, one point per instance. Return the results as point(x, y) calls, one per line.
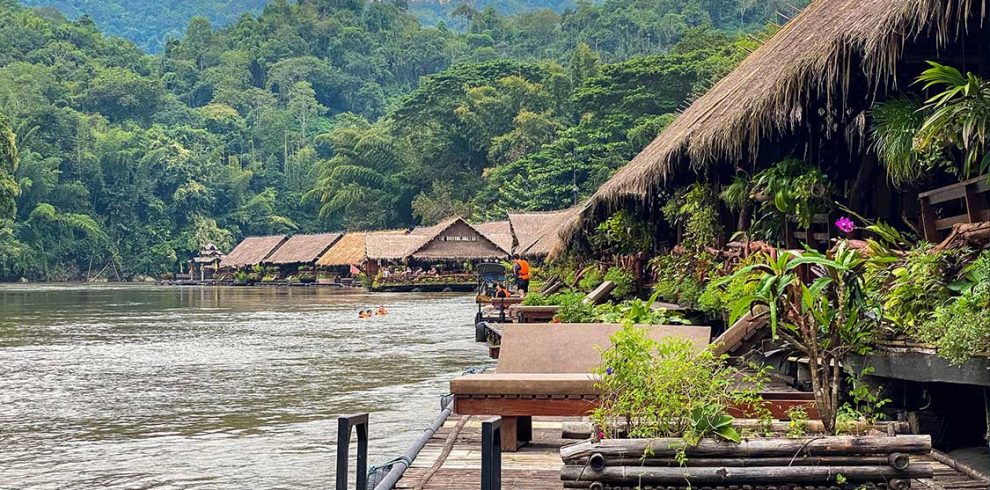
point(252, 251)
point(349, 250)
point(455, 239)
point(302, 249)
point(391, 244)
point(499, 232)
point(535, 233)
point(805, 92)
point(208, 254)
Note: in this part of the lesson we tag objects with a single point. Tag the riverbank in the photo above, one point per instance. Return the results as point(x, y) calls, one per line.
point(130, 385)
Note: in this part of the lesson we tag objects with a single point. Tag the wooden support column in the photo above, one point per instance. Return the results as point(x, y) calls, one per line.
point(928, 221)
point(974, 206)
point(510, 434)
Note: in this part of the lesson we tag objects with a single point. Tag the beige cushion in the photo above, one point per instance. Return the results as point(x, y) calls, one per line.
point(573, 347)
point(523, 384)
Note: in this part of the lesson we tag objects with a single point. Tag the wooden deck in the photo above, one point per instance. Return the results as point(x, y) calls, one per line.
point(451, 460)
point(533, 467)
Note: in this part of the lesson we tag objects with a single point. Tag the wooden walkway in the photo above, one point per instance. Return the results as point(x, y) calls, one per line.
point(534, 467)
point(451, 460)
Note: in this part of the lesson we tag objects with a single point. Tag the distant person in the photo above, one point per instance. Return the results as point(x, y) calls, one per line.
point(382, 311)
point(363, 314)
point(520, 269)
point(501, 291)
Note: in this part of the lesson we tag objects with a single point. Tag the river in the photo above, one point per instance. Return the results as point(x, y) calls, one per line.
point(160, 387)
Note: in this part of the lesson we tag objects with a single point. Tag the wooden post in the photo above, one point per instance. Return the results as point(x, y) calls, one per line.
point(928, 221)
point(974, 207)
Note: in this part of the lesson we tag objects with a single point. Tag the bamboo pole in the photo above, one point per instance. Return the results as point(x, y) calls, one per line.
point(582, 430)
point(754, 475)
point(761, 447)
point(731, 462)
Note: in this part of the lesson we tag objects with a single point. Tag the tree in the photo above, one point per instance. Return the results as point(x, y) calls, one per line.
point(439, 204)
point(9, 190)
point(825, 320)
point(304, 107)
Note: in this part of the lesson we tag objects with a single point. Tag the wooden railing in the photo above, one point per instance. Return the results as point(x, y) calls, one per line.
point(971, 192)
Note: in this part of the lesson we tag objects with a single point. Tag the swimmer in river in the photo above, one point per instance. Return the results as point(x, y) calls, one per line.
point(382, 311)
point(364, 314)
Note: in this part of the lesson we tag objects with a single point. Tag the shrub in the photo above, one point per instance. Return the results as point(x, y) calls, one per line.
point(961, 327)
point(665, 389)
point(680, 278)
point(574, 310)
point(625, 283)
point(908, 287)
point(539, 299)
point(638, 312)
point(591, 278)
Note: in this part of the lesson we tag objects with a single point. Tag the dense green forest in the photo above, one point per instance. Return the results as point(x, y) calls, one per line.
point(328, 115)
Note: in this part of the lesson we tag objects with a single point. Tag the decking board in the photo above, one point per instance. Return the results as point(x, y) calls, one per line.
point(537, 466)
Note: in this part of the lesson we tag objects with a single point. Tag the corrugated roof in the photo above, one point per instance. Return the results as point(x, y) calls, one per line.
point(252, 251)
point(302, 249)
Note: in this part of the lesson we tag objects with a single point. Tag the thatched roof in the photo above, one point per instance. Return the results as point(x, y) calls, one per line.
point(455, 239)
point(499, 232)
point(816, 55)
point(252, 251)
point(536, 232)
point(302, 249)
point(391, 245)
point(349, 250)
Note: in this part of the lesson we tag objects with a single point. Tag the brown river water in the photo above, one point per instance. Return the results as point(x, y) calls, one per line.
point(161, 387)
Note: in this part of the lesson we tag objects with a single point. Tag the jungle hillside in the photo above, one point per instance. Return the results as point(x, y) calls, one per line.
point(118, 162)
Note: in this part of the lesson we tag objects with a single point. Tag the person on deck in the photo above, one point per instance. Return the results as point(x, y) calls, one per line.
point(501, 291)
point(520, 269)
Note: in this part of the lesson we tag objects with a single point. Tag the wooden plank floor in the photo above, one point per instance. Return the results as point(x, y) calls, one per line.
point(537, 466)
point(534, 467)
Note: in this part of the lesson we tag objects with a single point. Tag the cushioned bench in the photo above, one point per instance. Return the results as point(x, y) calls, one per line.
point(544, 370)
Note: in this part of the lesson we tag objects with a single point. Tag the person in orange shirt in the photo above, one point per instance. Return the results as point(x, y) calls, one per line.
point(521, 270)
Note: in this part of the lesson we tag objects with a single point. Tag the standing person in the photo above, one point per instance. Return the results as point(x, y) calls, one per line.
point(520, 269)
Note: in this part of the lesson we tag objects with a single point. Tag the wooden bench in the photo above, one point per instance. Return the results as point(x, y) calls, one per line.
point(544, 369)
point(969, 196)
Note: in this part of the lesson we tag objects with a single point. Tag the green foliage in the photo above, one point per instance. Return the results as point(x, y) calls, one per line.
point(720, 294)
point(539, 299)
point(794, 189)
point(623, 233)
point(316, 116)
point(625, 283)
point(695, 208)
point(681, 278)
point(9, 189)
point(797, 422)
point(825, 320)
point(638, 312)
point(958, 116)
point(573, 309)
point(665, 389)
point(960, 327)
point(865, 405)
point(591, 278)
point(908, 285)
point(896, 123)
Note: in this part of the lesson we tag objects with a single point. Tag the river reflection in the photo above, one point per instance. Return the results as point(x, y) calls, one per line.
point(143, 386)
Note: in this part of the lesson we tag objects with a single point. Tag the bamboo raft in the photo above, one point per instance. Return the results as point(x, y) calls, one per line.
point(451, 460)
